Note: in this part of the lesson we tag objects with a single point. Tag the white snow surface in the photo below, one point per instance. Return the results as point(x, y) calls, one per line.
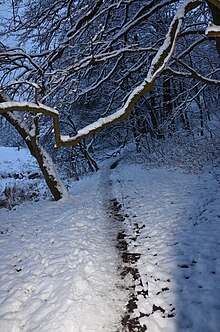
point(14, 161)
point(16, 166)
point(177, 217)
point(60, 267)
point(212, 28)
point(28, 105)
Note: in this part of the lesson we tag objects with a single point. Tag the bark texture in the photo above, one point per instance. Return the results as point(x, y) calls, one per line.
point(44, 161)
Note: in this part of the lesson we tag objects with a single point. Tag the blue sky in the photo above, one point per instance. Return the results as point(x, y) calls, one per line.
point(5, 13)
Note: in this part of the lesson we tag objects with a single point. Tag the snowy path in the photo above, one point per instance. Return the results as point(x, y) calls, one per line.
point(59, 266)
point(60, 261)
point(172, 225)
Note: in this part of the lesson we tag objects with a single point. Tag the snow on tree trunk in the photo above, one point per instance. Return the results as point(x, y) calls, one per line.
point(45, 162)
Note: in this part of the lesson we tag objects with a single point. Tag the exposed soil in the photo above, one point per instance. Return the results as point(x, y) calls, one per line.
point(130, 323)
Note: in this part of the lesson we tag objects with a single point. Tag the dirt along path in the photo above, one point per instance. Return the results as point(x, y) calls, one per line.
point(168, 224)
point(128, 270)
point(128, 261)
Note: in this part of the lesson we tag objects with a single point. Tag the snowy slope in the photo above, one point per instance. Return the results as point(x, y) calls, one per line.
point(63, 270)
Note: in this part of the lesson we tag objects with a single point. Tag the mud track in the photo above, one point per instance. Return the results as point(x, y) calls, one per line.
point(130, 321)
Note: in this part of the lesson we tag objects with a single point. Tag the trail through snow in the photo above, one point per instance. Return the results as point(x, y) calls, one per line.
point(172, 225)
point(59, 266)
point(61, 270)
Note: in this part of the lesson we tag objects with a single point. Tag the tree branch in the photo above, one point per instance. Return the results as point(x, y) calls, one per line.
point(159, 63)
point(193, 74)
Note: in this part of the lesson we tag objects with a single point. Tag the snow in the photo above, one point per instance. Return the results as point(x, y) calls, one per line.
point(105, 121)
point(159, 62)
point(212, 28)
point(19, 175)
point(64, 138)
point(166, 51)
point(13, 154)
point(33, 84)
point(14, 160)
point(49, 165)
point(61, 268)
point(27, 106)
point(178, 217)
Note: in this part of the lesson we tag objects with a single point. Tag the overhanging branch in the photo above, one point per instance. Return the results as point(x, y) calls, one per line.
point(159, 63)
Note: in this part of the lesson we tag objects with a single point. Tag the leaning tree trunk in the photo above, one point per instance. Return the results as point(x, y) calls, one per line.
point(44, 161)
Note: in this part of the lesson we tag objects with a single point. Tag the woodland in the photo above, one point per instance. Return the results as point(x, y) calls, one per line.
point(115, 104)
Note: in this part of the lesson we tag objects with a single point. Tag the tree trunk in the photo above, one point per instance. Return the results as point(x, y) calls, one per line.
point(168, 105)
point(54, 183)
point(215, 10)
point(154, 119)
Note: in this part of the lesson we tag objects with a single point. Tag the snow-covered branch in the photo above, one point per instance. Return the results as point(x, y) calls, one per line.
point(11, 106)
point(101, 57)
point(212, 30)
point(35, 86)
point(193, 74)
point(147, 11)
point(18, 55)
point(159, 63)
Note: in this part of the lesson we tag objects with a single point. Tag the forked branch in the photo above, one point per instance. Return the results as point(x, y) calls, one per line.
point(159, 63)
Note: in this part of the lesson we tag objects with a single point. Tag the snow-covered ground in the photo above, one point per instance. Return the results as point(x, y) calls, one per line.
point(63, 267)
point(14, 160)
point(19, 177)
point(59, 266)
point(173, 224)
